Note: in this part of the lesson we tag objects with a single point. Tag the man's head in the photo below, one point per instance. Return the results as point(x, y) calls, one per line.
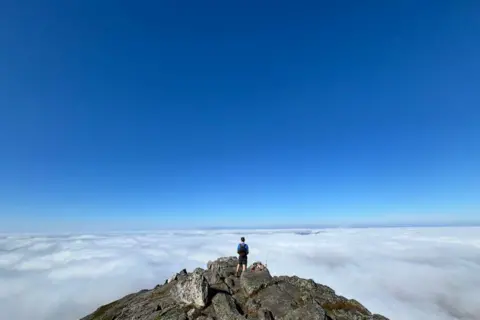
point(242, 239)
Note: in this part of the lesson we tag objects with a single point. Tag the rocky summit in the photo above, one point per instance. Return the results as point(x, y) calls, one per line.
point(218, 294)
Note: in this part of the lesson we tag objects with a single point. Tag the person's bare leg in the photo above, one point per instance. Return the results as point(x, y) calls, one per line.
point(238, 267)
point(244, 267)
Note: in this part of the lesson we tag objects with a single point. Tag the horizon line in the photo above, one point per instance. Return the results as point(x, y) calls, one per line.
point(270, 227)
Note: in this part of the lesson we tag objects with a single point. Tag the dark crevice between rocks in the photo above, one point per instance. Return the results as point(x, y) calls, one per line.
point(230, 283)
point(327, 317)
point(238, 307)
point(269, 284)
point(257, 291)
point(266, 314)
point(212, 292)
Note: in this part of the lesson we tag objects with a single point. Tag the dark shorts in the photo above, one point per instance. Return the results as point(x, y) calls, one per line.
point(242, 261)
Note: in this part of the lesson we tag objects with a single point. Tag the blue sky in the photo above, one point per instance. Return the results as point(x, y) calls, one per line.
point(209, 113)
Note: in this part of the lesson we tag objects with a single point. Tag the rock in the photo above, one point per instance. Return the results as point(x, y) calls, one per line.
point(172, 278)
point(342, 308)
point(212, 277)
point(181, 275)
point(209, 312)
point(192, 290)
point(252, 307)
point(311, 311)
point(218, 270)
point(225, 308)
point(172, 314)
point(220, 287)
point(299, 282)
point(223, 267)
point(258, 266)
point(279, 298)
point(217, 294)
point(233, 283)
point(252, 281)
point(336, 307)
point(230, 282)
point(222, 263)
point(193, 313)
point(265, 314)
point(309, 287)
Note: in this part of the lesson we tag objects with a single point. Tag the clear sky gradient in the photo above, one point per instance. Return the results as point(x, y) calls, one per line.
point(182, 113)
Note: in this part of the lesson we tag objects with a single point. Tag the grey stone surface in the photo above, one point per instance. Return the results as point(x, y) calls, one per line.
point(217, 294)
point(253, 281)
point(192, 290)
point(311, 311)
point(225, 308)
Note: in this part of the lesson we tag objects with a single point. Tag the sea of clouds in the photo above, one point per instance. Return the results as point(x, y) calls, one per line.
point(402, 273)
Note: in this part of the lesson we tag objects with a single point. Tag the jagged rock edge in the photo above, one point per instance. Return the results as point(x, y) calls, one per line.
point(307, 286)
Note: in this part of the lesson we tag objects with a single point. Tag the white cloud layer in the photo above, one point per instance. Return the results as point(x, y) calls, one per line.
point(403, 273)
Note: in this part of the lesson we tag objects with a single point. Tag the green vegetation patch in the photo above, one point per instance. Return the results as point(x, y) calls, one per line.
point(345, 305)
point(100, 312)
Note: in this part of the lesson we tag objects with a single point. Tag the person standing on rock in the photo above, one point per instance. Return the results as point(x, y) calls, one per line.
point(242, 250)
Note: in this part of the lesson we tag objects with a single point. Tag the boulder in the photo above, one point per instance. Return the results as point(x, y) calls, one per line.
point(225, 307)
point(252, 281)
point(222, 267)
point(212, 277)
point(311, 311)
point(279, 298)
point(192, 290)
